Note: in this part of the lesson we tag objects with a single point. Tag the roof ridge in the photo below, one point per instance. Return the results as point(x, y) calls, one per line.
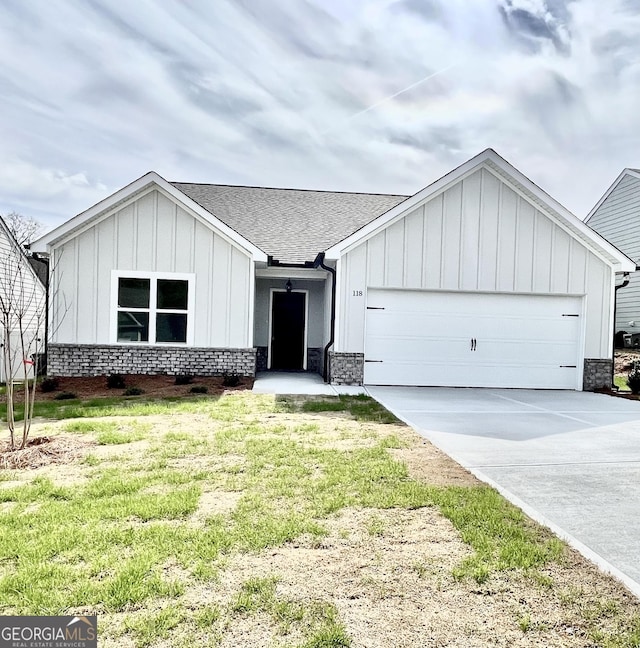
point(355, 193)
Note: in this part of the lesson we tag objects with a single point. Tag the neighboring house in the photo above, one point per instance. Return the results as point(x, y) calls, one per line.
point(480, 279)
point(616, 216)
point(22, 309)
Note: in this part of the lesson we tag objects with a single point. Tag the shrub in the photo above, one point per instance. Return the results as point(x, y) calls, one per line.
point(50, 384)
point(633, 379)
point(115, 381)
point(133, 391)
point(199, 389)
point(230, 380)
point(184, 379)
point(65, 396)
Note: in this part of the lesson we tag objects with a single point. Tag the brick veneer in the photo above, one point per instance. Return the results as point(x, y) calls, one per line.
point(346, 368)
point(597, 374)
point(101, 360)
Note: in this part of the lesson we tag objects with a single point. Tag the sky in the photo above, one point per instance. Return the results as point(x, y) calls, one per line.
point(380, 96)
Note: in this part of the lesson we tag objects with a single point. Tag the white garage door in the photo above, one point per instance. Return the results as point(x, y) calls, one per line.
point(472, 339)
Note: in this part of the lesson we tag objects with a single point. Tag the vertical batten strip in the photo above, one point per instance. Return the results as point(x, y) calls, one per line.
point(96, 271)
point(442, 241)
point(516, 230)
point(174, 234)
point(210, 291)
point(480, 221)
point(134, 260)
point(76, 274)
point(498, 237)
point(154, 232)
point(534, 244)
point(461, 226)
point(570, 265)
point(425, 260)
point(553, 258)
point(228, 284)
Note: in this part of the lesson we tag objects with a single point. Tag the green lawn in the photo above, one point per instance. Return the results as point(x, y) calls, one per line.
point(144, 529)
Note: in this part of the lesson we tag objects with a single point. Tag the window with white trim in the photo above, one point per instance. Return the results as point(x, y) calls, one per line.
point(153, 308)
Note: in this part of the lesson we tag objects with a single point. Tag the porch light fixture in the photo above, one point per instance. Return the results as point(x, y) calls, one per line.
point(288, 285)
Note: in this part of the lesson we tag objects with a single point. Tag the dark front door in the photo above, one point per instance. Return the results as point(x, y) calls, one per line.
point(287, 330)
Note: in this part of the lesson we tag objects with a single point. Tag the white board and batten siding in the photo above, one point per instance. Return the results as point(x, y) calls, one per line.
point(29, 296)
point(617, 219)
point(153, 234)
point(482, 238)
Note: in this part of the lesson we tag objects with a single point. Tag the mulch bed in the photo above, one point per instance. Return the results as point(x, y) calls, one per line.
point(42, 451)
point(155, 386)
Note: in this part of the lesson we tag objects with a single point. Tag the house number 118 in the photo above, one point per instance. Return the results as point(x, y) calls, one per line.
point(356, 293)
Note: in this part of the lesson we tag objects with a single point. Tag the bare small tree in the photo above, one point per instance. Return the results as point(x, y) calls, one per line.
point(22, 320)
point(25, 229)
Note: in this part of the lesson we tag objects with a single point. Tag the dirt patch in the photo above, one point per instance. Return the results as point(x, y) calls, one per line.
point(215, 503)
point(43, 451)
point(395, 588)
point(157, 386)
point(624, 359)
point(428, 464)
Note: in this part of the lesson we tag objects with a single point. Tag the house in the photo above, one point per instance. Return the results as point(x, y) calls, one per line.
point(22, 310)
point(616, 216)
point(479, 279)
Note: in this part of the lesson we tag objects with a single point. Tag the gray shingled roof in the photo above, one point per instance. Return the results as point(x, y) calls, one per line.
point(291, 225)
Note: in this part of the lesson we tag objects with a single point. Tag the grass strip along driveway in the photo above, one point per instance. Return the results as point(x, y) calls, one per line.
point(247, 520)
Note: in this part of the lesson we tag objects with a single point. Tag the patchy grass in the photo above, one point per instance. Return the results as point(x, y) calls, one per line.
point(202, 534)
point(361, 407)
point(621, 383)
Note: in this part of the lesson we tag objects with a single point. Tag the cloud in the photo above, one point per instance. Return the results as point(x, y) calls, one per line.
point(312, 94)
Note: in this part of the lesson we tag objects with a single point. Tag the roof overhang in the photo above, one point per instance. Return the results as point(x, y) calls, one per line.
point(111, 204)
point(489, 159)
point(20, 251)
point(634, 173)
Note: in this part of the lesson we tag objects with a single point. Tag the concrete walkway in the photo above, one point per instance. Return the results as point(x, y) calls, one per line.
point(570, 460)
point(312, 384)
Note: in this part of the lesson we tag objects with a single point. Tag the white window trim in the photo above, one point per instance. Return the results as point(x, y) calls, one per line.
point(153, 277)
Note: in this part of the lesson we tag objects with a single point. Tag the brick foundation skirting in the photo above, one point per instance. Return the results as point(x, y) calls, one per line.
point(597, 373)
point(346, 368)
point(315, 359)
point(262, 354)
point(76, 360)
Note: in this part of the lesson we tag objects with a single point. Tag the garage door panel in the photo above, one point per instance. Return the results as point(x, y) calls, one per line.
point(428, 338)
point(461, 374)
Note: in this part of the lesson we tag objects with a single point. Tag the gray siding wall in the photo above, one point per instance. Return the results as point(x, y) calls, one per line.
point(618, 220)
point(477, 235)
point(153, 233)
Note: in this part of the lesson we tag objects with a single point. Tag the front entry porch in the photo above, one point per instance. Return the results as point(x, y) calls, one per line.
point(292, 313)
point(301, 382)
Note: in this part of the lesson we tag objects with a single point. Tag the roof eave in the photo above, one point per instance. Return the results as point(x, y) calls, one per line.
point(625, 172)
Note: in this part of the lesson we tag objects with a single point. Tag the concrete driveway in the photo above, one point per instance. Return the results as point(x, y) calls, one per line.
point(571, 460)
